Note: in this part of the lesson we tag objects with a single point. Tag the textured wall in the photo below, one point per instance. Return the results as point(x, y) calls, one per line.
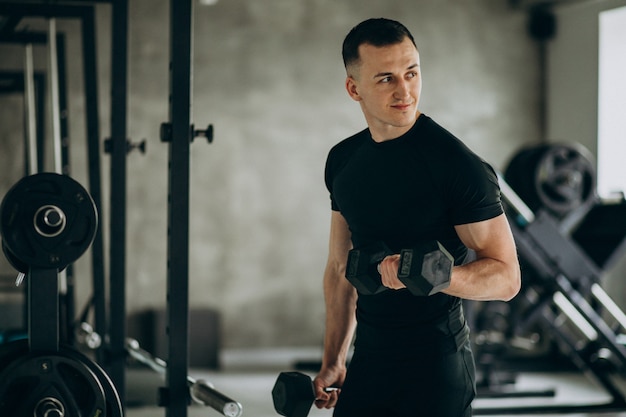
point(268, 75)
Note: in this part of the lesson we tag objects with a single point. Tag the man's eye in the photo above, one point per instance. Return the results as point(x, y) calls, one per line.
point(412, 75)
point(385, 79)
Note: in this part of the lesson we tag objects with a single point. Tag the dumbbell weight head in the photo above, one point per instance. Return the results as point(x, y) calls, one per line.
point(293, 394)
point(426, 269)
point(361, 269)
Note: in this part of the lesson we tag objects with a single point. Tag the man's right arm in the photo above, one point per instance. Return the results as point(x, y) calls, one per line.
point(340, 297)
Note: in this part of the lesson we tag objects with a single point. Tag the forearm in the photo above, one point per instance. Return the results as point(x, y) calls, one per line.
point(340, 297)
point(485, 279)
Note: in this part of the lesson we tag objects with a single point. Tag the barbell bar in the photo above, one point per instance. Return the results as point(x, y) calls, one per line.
point(200, 390)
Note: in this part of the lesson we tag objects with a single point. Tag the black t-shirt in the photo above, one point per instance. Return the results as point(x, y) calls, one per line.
point(412, 189)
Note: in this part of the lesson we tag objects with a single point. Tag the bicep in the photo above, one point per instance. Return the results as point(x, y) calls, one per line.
point(489, 238)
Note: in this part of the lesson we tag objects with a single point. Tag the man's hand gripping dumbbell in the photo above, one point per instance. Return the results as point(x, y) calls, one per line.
point(424, 269)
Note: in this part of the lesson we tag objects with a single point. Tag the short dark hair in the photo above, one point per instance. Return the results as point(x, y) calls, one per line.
point(377, 32)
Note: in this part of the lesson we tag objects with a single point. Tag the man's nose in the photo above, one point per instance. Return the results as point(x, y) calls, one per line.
point(402, 89)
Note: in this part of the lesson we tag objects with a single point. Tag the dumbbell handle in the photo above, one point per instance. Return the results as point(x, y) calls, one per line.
point(201, 391)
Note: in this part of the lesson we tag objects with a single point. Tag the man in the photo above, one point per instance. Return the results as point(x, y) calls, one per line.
point(402, 181)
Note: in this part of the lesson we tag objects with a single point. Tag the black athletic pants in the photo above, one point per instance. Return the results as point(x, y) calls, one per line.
point(430, 384)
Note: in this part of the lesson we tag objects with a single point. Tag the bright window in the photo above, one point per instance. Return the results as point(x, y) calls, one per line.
point(612, 102)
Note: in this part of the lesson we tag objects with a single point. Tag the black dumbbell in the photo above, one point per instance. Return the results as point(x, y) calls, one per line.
point(362, 268)
point(293, 394)
point(424, 269)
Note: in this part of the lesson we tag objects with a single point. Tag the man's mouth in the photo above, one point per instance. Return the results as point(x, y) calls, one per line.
point(401, 106)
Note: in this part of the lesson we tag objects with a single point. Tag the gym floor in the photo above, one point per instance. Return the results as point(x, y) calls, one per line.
point(248, 377)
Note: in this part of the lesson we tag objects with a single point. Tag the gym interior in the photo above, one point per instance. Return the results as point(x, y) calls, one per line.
point(172, 153)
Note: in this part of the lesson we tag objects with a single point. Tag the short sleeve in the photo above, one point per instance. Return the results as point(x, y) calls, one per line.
point(474, 191)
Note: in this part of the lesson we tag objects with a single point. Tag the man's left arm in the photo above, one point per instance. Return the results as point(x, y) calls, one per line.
point(495, 274)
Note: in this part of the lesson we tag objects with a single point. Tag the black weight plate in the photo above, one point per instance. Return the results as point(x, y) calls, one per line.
point(113, 402)
point(557, 177)
point(519, 174)
point(31, 245)
point(565, 178)
point(81, 385)
point(16, 263)
point(31, 378)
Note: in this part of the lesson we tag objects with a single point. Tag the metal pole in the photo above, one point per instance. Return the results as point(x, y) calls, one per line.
point(68, 299)
point(117, 251)
point(53, 73)
point(29, 109)
point(178, 397)
point(92, 119)
point(57, 152)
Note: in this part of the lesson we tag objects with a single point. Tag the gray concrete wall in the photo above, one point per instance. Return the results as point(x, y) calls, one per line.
point(268, 75)
point(572, 93)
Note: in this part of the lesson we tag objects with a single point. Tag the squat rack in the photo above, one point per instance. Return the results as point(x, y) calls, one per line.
point(179, 133)
point(85, 14)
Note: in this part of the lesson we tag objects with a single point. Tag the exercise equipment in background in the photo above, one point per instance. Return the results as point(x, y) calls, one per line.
point(565, 246)
point(47, 221)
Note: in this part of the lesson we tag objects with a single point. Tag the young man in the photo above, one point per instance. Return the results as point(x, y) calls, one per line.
point(402, 181)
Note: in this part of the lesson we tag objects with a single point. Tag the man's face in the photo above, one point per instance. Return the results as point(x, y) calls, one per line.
point(387, 84)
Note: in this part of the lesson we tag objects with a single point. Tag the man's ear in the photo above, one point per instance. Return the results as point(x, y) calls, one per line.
point(352, 89)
